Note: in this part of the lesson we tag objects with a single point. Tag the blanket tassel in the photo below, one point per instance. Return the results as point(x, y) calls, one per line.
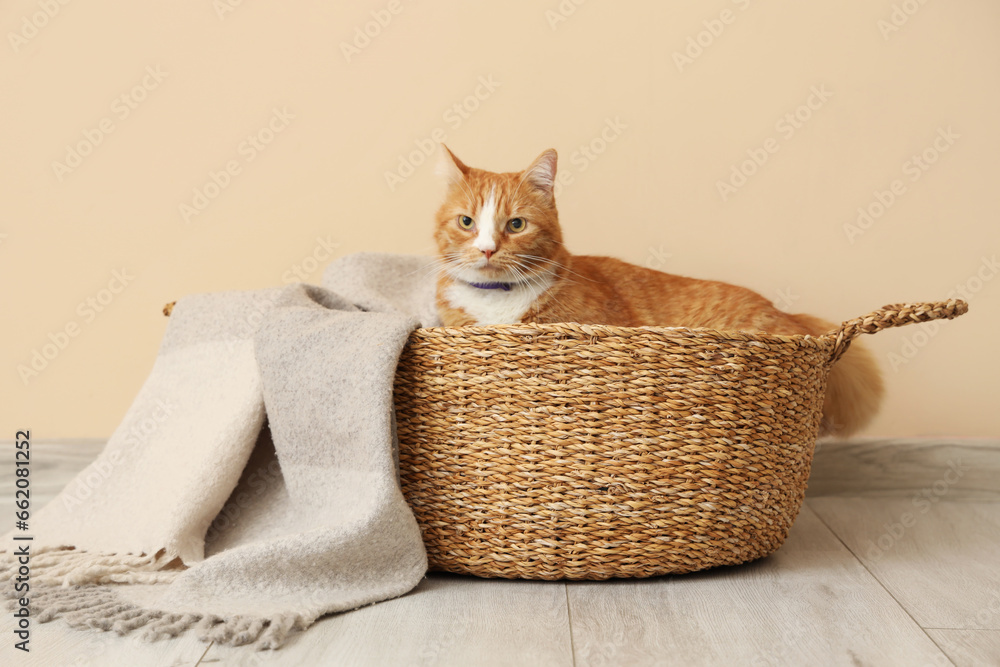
point(80, 587)
point(101, 608)
point(68, 567)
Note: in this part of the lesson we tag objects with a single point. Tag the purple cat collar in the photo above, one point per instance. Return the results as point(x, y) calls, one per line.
point(504, 286)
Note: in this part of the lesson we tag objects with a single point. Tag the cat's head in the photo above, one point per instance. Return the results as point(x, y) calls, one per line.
point(499, 227)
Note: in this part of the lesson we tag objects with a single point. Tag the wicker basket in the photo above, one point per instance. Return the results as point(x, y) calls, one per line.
point(567, 451)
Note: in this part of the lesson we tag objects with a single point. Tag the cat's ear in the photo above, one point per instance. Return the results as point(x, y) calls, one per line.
point(542, 173)
point(450, 167)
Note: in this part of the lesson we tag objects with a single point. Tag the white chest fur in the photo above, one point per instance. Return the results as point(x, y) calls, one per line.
point(496, 306)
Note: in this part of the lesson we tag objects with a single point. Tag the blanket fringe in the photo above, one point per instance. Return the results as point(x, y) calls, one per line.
point(80, 587)
point(93, 607)
point(70, 567)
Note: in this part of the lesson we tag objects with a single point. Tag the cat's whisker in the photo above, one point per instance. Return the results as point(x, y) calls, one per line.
point(449, 261)
point(433, 264)
point(538, 280)
point(553, 297)
point(526, 268)
point(424, 270)
point(519, 275)
point(563, 267)
point(525, 271)
point(556, 264)
point(527, 278)
point(513, 197)
point(468, 191)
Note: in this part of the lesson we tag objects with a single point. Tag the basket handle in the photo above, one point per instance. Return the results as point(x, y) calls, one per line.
point(893, 315)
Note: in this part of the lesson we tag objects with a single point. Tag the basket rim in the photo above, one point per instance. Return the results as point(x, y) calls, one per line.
point(578, 330)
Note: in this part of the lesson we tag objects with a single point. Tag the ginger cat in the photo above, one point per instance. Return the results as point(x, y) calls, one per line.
point(502, 261)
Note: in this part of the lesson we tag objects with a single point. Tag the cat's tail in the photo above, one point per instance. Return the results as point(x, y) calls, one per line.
point(854, 389)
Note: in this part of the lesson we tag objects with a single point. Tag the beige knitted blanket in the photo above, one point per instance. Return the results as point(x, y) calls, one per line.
point(252, 486)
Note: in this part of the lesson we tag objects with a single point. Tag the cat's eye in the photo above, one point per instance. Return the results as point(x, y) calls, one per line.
point(516, 225)
point(465, 222)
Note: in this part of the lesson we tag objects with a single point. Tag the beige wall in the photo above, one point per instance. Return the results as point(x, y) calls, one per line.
point(167, 93)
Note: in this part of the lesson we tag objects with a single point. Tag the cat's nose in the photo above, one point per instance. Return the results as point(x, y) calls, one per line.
point(488, 253)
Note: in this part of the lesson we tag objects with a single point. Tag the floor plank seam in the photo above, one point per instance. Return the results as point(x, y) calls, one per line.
point(880, 583)
point(569, 623)
point(940, 648)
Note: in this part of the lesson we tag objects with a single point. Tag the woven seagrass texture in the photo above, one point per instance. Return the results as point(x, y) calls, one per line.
point(588, 452)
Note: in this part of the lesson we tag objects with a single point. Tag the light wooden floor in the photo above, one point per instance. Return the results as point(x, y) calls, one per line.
point(888, 564)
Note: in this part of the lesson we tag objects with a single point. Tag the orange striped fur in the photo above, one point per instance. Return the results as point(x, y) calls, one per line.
point(502, 261)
